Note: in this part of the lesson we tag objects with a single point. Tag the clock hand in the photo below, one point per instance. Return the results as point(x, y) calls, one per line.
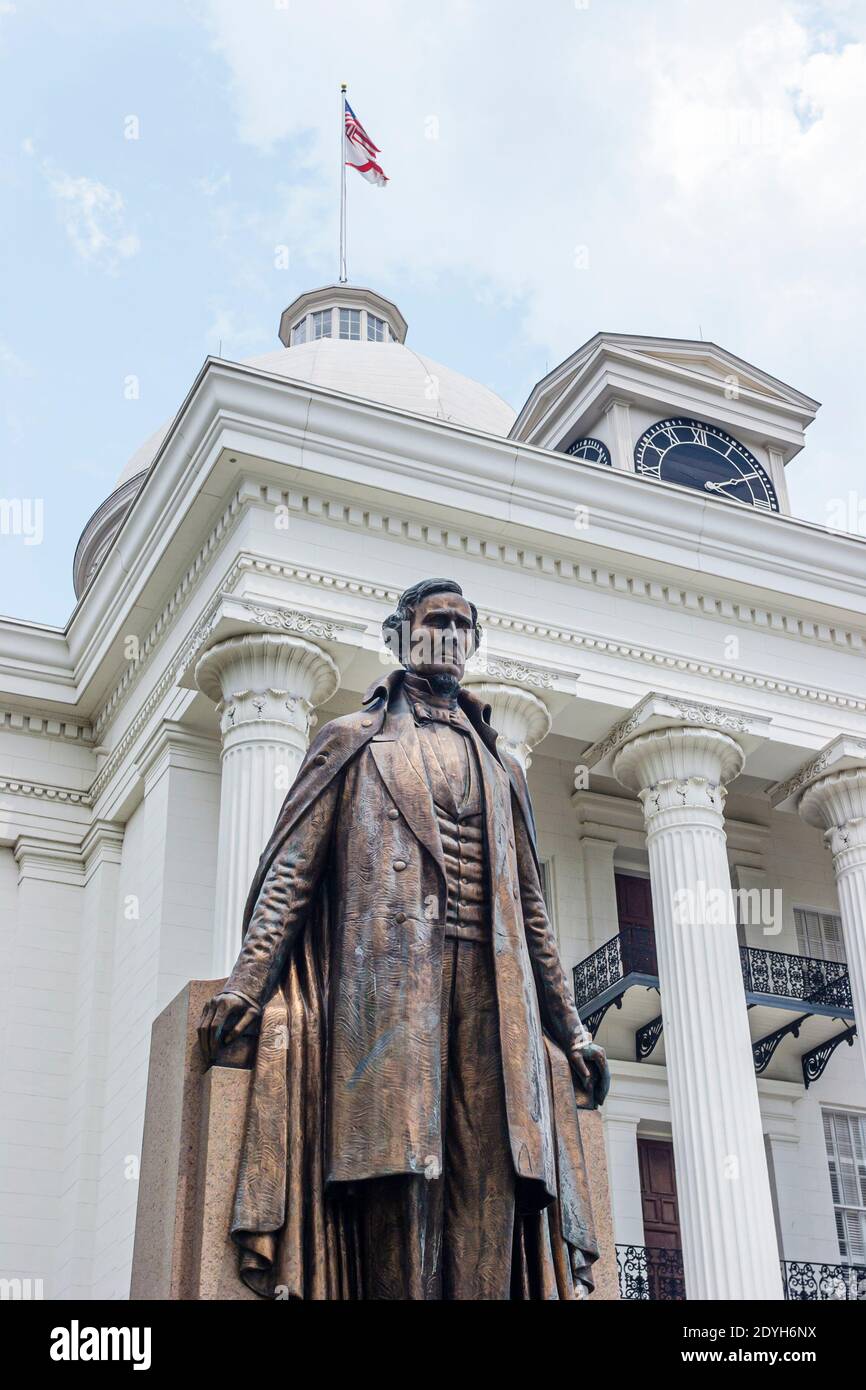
point(729, 482)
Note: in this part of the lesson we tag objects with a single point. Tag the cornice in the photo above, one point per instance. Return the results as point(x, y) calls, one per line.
point(320, 579)
point(633, 651)
point(175, 605)
point(620, 579)
point(13, 786)
point(45, 726)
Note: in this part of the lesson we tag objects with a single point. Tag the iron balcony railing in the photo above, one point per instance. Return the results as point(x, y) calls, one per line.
point(814, 1283)
point(656, 1275)
point(632, 952)
point(650, 1273)
point(805, 978)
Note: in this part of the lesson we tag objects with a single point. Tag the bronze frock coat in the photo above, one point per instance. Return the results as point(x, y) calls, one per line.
point(343, 945)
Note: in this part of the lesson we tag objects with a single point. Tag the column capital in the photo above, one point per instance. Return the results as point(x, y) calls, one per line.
point(679, 770)
point(844, 753)
point(829, 791)
point(266, 676)
point(657, 713)
point(520, 718)
point(836, 803)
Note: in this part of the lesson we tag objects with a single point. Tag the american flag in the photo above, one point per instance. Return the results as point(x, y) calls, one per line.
point(360, 150)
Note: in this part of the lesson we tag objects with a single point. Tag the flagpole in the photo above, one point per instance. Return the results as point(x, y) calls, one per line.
point(343, 184)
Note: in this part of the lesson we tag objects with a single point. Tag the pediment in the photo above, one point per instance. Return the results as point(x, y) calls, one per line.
point(658, 370)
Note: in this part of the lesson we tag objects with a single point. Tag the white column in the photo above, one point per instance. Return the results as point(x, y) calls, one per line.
point(837, 804)
point(266, 687)
point(726, 1213)
point(519, 717)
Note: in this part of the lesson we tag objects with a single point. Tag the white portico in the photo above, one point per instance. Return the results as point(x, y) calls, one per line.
point(666, 648)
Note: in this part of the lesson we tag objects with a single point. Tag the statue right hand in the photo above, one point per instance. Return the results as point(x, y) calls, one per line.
point(223, 1019)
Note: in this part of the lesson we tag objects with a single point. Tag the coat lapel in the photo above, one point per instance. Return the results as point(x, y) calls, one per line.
point(397, 754)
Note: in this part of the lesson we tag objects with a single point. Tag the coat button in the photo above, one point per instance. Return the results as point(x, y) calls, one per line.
point(401, 918)
point(515, 892)
point(321, 759)
point(393, 814)
point(399, 865)
point(366, 723)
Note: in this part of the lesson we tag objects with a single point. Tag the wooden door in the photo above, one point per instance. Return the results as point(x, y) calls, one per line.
point(661, 1218)
point(634, 909)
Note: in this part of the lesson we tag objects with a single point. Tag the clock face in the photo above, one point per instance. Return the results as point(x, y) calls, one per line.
point(591, 449)
point(705, 458)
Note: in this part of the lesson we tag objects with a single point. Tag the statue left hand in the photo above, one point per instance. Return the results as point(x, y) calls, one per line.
point(591, 1070)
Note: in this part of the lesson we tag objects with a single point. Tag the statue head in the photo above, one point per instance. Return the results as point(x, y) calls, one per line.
point(433, 631)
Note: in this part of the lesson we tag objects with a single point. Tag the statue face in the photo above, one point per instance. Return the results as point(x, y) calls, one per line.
point(441, 638)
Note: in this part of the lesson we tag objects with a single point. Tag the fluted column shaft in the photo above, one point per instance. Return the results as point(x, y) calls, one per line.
point(520, 718)
point(265, 687)
point(729, 1241)
point(837, 803)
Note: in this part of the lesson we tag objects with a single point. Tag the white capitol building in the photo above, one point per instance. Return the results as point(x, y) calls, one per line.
point(679, 658)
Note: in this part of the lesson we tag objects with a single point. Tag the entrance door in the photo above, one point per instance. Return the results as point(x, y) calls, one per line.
point(661, 1219)
point(634, 910)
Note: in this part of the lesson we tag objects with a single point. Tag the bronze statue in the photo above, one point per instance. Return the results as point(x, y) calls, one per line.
point(412, 1130)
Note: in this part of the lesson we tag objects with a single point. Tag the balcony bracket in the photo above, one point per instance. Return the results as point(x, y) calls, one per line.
point(763, 1048)
point(815, 1062)
point(646, 1038)
point(593, 1021)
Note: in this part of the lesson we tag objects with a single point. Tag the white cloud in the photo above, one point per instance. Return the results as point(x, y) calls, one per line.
point(94, 218)
point(605, 127)
point(93, 215)
point(211, 184)
point(646, 168)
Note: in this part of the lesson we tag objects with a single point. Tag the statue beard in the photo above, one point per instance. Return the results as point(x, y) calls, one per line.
point(444, 684)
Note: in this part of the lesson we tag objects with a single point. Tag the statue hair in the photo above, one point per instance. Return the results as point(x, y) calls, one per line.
point(397, 625)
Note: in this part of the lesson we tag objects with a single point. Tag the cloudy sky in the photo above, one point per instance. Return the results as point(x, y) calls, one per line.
point(674, 167)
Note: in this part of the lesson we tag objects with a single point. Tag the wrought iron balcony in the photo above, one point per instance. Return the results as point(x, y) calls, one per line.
point(649, 1273)
point(631, 952)
point(808, 1282)
point(815, 994)
point(805, 978)
point(774, 973)
point(656, 1275)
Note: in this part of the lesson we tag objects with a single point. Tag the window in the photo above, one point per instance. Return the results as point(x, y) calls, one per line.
point(544, 875)
point(322, 323)
point(375, 329)
point(845, 1138)
point(819, 934)
point(350, 324)
point(299, 333)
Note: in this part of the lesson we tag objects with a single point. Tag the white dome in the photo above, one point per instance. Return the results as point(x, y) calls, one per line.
point(394, 375)
point(144, 454)
point(388, 373)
